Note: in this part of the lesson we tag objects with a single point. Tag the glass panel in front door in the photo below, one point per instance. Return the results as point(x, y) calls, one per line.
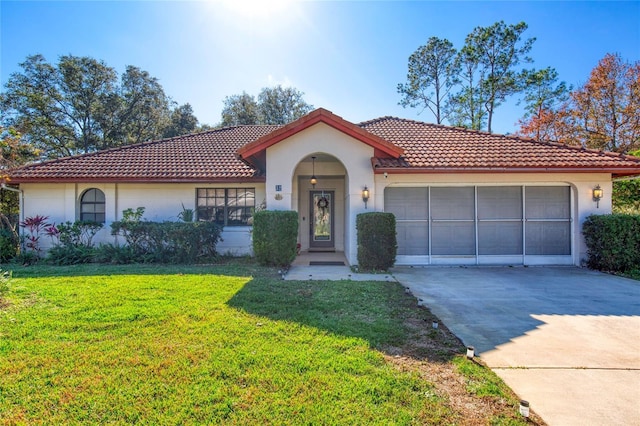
point(322, 207)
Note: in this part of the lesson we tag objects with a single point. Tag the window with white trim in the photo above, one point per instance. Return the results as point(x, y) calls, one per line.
point(225, 206)
point(92, 206)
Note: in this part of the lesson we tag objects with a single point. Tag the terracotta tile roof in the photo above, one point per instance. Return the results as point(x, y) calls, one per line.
point(213, 156)
point(208, 156)
point(436, 148)
point(320, 115)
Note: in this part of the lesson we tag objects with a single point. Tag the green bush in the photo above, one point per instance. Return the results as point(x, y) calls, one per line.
point(626, 196)
point(77, 234)
point(8, 245)
point(70, 255)
point(167, 242)
point(613, 242)
point(275, 236)
point(377, 245)
point(75, 242)
point(114, 254)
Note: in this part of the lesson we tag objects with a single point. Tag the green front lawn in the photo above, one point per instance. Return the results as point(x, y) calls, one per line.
point(224, 344)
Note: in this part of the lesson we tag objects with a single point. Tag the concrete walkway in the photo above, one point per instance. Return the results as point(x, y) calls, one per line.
point(565, 339)
point(303, 268)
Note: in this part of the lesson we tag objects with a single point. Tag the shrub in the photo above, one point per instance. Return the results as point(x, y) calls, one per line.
point(186, 215)
point(613, 242)
point(74, 242)
point(168, 242)
point(8, 245)
point(70, 255)
point(275, 237)
point(114, 254)
point(78, 233)
point(34, 225)
point(377, 245)
point(9, 238)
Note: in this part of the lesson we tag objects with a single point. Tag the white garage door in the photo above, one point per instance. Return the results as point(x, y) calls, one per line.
point(482, 225)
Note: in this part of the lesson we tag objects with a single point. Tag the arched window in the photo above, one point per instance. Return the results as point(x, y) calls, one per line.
point(92, 206)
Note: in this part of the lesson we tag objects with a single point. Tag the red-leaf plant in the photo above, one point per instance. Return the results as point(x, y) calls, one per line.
point(34, 225)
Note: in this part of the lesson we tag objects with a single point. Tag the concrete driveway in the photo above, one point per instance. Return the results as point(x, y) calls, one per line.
point(566, 339)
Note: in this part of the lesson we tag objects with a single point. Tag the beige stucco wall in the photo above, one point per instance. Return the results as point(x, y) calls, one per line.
point(353, 157)
point(162, 202)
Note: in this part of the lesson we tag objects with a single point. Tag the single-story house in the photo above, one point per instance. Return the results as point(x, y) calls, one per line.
point(459, 196)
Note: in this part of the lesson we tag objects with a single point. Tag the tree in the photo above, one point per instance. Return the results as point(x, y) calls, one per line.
point(80, 106)
point(14, 152)
point(58, 107)
point(626, 193)
point(275, 105)
point(281, 105)
point(552, 126)
point(239, 110)
point(467, 107)
point(466, 88)
point(145, 107)
point(542, 93)
point(182, 122)
point(607, 107)
point(602, 114)
point(430, 77)
point(497, 50)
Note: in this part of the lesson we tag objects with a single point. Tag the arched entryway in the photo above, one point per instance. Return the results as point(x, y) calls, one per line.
point(322, 207)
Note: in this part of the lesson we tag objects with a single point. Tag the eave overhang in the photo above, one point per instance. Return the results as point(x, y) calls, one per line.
point(615, 173)
point(77, 179)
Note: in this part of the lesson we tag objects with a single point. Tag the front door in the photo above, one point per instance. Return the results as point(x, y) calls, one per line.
point(322, 223)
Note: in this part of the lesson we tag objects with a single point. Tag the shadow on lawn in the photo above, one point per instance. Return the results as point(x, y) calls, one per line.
point(381, 313)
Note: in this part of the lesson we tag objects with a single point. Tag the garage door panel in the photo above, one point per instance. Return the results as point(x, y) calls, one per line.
point(548, 238)
point(500, 238)
point(500, 202)
point(452, 203)
point(407, 203)
point(547, 202)
point(453, 238)
point(413, 238)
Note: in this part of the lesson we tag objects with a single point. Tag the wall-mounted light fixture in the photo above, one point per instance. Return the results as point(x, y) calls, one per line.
point(313, 179)
point(597, 195)
point(365, 196)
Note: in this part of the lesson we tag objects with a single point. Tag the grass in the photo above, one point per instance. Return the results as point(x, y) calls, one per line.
point(228, 344)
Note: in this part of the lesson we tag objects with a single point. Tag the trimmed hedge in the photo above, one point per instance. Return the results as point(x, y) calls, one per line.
point(275, 237)
point(613, 242)
point(168, 242)
point(377, 244)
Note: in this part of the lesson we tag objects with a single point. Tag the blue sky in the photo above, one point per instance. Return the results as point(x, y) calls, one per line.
point(347, 57)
